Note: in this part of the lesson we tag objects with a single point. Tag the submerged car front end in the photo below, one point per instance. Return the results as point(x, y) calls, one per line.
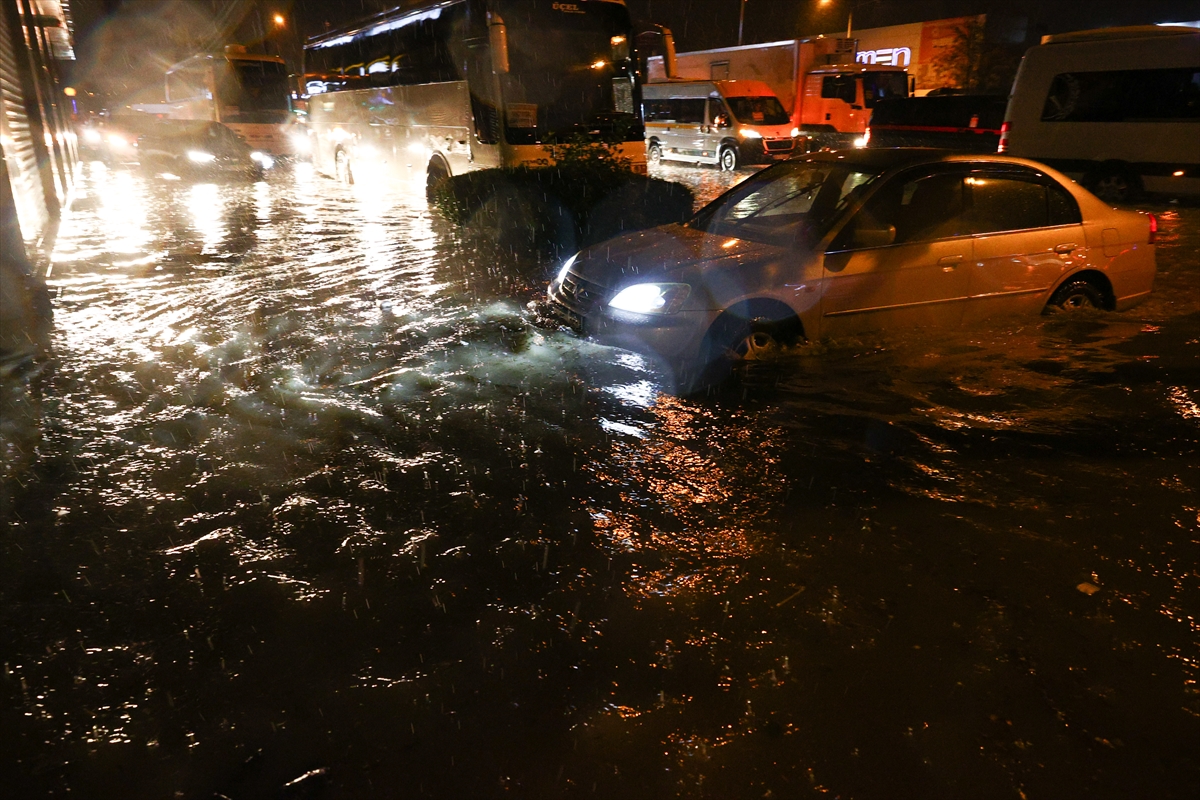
point(648, 304)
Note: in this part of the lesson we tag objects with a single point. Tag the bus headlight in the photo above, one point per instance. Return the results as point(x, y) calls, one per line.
point(651, 298)
point(200, 157)
point(301, 144)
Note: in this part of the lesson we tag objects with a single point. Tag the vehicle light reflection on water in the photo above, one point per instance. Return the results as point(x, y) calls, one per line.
point(262, 512)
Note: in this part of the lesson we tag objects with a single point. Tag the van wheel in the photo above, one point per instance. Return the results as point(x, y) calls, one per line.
point(1113, 183)
point(1075, 295)
point(341, 165)
point(728, 159)
point(437, 172)
point(654, 153)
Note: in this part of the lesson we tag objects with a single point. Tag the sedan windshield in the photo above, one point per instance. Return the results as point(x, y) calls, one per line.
point(791, 203)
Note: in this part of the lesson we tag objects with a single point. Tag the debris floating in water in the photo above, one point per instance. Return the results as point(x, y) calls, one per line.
point(1088, 588)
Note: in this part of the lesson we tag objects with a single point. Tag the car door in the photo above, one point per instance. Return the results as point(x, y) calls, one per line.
point(899, 261)
point(1028, 233)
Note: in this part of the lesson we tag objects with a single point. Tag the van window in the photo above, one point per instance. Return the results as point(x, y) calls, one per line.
point(1134, 95)
point(656, 110)
point(758, 110)
point(689, 110)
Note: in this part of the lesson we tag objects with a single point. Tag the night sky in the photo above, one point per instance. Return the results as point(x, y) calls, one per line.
point(124, 43)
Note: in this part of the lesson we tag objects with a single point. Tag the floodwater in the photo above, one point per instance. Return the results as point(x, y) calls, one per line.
point(303, 505)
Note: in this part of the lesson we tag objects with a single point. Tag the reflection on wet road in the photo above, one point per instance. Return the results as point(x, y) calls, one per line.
point(305, 507)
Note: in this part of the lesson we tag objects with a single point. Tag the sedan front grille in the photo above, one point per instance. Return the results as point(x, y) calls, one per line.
point(577, 298)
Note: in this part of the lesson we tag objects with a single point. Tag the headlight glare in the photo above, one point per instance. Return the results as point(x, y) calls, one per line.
point(651, 298)
point(566, 267)
point(795, 132)
point(200, 157)
point(749, 133)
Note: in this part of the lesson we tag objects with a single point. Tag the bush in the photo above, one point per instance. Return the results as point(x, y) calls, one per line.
point(558, 209)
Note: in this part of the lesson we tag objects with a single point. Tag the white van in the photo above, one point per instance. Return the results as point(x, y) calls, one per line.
point(1117, 109)
point(728, 123)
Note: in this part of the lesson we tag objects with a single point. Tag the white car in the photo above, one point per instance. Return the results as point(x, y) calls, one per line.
point(840, 242)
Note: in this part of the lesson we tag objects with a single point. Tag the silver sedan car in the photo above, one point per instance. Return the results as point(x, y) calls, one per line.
point(842, 242)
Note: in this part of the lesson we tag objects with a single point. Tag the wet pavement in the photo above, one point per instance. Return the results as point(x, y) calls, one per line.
point(304, 506)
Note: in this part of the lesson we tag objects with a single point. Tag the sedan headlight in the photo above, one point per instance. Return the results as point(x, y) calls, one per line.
point(264, 160)
point(200, 157)
point(749, 133)
point(92, 136)
point(651, 298)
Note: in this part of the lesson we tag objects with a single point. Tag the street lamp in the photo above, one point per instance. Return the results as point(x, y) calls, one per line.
point(279, 20)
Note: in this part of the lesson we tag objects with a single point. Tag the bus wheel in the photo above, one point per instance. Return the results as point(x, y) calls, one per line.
point(654, 153)
point(728, 159)
point(341, 163)
point(1113, 183)
point(437, 172)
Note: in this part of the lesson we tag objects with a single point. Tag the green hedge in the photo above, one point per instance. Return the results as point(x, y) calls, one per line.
point(560, 209)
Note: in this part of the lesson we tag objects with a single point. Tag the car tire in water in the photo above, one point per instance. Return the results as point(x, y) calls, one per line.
point(728, 159)
point(1075, 295)
point(341, 163)
point(654, 153)
point(1114, 183)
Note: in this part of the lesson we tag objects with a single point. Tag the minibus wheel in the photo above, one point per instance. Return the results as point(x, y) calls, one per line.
point(1114, 183)
point(728, 159)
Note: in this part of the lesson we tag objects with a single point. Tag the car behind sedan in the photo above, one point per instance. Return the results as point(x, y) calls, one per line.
point(835, 243)
point(202, 150)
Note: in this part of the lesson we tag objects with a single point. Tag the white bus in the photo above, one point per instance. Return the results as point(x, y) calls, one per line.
point(1118, 109)
point(436, 89)
point(248, 93)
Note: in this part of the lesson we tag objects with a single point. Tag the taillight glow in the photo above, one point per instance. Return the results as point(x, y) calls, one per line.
point(1004, 130)
point(1153, 229)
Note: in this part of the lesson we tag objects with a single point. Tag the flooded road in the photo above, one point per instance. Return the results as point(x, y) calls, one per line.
point(304, 506)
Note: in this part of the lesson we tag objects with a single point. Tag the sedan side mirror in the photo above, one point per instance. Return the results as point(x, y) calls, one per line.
point(873, 237)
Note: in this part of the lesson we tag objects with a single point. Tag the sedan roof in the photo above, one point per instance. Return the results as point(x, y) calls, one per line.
point(883, 158)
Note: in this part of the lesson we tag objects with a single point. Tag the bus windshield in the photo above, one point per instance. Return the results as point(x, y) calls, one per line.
point(255, 92)
point(570, 70)
point(758, 110)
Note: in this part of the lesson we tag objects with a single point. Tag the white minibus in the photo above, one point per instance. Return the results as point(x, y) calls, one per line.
point(1117, 109)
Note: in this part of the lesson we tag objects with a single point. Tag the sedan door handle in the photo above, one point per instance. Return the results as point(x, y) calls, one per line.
point(1064, 248)
point(949, 261)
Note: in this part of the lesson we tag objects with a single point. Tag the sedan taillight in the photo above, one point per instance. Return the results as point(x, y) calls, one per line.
point(1004, 130)
point(1153, 229)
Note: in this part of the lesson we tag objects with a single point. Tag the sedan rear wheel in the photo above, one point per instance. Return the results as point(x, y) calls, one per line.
point(1076, 295)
